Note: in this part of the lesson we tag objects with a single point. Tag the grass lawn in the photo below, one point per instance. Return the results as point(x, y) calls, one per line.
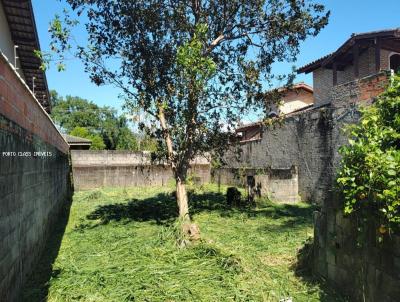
point(121, 245)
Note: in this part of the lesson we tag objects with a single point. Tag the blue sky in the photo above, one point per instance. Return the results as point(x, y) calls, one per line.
point(347, 17)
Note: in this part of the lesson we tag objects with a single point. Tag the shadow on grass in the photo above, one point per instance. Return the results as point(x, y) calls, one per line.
point(162, 209)
point(37, 286)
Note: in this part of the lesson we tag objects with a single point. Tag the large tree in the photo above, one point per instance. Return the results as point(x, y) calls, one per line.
point(194, 67)
point(102, 124)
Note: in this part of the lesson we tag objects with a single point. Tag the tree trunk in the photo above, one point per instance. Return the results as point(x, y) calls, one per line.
point(182, 200)
point(181, 194)
point(190, 230)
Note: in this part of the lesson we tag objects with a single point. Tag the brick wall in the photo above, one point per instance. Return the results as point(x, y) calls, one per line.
point(96, 169)
point(323, 83)
point(323, 78)
point(33, 187)
point(18, 104)
point(385, 59)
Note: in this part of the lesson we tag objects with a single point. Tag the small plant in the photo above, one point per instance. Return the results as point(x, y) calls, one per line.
point(369, 177)
point(95, 195)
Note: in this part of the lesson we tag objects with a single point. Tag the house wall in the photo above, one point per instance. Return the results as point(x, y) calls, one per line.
point(299, 95)
point(323, 78)
point(96, 169)
point(366, 67)
point(6, 43)
point(385, 59)
point(251, 133)
point(34, 188)
point(295, 100)
point(323, 83)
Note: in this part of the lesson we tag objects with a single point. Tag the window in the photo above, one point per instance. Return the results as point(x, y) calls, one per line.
point(394, 61)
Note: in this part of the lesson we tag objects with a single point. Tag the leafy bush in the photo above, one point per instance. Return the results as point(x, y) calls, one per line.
point(369, 176)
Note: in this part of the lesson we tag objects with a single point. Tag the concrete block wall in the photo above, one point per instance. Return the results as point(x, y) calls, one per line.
point(278, 185)
point(96, 169)
point(33, 186)
point(310, 140)
point(303, 141)
point(356, 264)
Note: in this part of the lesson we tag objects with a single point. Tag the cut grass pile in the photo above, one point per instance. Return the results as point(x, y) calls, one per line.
point(121, 245)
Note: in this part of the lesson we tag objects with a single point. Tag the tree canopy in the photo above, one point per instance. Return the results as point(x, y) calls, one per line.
point(97, 140)
point(102, 125)
point(195, 67)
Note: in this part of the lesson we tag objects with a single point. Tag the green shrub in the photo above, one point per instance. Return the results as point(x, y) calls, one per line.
point(369, 176)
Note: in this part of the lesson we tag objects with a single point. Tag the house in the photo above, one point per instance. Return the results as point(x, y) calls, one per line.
point(355, 72)
point(362, 56)
point(77, 143)
point(18, 41)
point(294, 99)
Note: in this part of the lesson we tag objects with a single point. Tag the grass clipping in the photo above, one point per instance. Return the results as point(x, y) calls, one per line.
point(121, 245)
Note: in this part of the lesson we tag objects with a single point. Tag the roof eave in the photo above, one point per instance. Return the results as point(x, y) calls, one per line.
point(24, 34)
point(80, 144)
point(324, 61)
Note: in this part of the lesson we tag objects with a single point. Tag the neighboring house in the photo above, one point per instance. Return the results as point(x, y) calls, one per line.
point(18, 40)
point(77, 143)
point(361, 56)
point(249, 132)
point(355, 72)
point(295, 99)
